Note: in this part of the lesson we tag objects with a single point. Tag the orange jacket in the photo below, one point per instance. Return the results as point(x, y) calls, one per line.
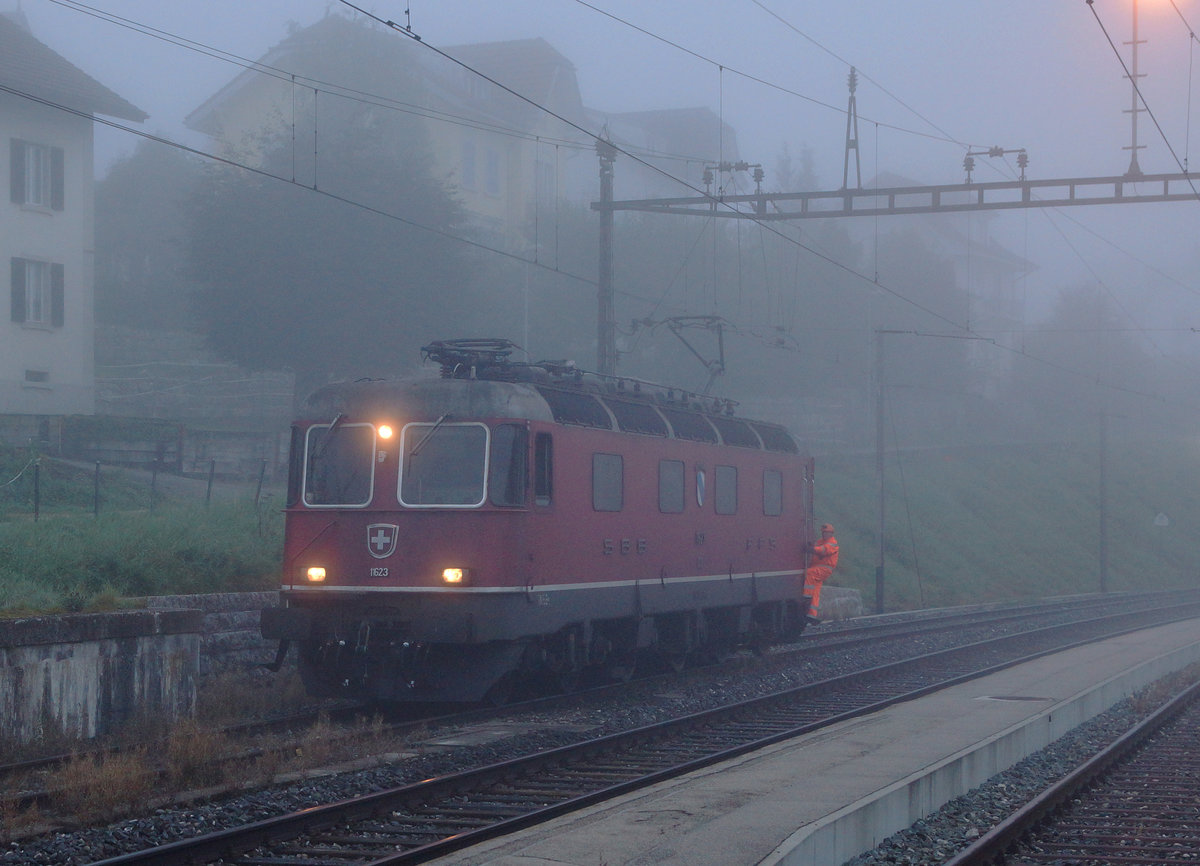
point(825, 552)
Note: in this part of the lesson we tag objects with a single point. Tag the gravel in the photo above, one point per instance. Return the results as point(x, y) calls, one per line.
point(964, 819)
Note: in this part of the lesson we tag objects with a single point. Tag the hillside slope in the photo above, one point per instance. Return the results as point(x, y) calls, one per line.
point(1012, 523)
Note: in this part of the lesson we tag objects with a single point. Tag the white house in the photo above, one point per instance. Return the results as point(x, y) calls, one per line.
point(46, 224)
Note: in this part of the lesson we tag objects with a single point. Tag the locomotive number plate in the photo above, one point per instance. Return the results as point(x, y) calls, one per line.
point(379, 572)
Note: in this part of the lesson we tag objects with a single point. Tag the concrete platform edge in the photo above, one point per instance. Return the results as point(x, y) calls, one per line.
point(862, 825)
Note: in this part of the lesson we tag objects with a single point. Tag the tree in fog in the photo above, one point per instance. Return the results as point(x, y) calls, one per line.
point(1084, 360)
point(141, 239)
point(345, 279)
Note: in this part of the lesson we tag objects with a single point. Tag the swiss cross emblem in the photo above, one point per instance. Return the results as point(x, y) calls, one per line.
point(381, 539)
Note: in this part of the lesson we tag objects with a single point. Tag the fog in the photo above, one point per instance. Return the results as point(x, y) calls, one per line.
point(936, 78)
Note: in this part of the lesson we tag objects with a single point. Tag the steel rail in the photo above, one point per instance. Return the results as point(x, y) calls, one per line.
point(994, 846)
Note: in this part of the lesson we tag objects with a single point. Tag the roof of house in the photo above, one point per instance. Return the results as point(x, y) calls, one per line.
point(531, 67)
point(696, 132)
point(30, 68)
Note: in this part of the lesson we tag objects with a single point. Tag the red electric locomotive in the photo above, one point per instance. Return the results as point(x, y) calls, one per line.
point(447, 538)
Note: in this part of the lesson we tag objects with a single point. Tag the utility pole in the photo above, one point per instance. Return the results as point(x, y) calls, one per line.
point(880, 394)
point(1103, 501)
point(1134, 169)
point(879, 478)
point(606, 326)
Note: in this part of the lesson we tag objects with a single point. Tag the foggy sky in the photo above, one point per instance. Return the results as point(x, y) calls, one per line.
point(935, 75)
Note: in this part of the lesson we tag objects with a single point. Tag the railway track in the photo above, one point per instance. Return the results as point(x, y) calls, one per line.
point(1133, 802)
point(27, 783)
point(414, 823)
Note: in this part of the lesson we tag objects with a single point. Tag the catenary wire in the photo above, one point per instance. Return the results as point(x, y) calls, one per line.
point(481, 246)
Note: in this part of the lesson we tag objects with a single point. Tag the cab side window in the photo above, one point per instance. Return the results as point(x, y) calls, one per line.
point(725, 493)
point(507, 469)
point(670, 486)
point(608, 482)
point(772, 492)
point(543, 469)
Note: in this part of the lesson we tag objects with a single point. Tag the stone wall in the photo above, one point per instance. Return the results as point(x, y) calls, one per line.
point(84, 675)
point(229, 638)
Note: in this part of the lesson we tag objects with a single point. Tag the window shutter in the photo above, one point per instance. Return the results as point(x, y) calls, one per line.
point(18, 290)
point(57, 178)
point(16, 149)
point(57, 296)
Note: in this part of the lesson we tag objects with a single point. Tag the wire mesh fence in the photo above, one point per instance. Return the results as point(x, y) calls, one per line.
point(35, 486)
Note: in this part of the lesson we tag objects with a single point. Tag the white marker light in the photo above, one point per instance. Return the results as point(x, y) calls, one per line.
point(454, 576)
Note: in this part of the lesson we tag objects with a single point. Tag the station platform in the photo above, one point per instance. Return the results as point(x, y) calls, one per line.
point(821, 799)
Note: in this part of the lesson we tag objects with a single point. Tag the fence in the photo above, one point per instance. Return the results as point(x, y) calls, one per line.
point(47, 484)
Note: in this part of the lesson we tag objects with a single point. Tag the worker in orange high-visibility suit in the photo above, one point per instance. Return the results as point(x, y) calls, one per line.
point(824, 561)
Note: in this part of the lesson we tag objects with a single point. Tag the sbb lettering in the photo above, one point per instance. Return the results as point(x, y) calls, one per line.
point(625, 546)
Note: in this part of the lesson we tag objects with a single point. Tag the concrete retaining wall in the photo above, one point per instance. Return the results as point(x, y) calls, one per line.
point(84, 675)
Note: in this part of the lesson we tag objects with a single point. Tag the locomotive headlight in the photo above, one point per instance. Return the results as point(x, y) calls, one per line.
point(456, 576)
point(385, 431)
point(316, 574)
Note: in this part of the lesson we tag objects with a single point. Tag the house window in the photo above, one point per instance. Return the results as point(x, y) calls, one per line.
point(546, 185)
point(491, 172)
point(36, 174)
point(468, 165)
point(37, 293)
point(37, 377)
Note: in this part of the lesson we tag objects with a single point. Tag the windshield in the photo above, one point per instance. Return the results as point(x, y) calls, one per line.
point(444, 464)
point(339, 464)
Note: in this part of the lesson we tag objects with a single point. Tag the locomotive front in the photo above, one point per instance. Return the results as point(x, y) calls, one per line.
point(401, 534)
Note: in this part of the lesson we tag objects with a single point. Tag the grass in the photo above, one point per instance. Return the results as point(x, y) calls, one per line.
point(91, 545)
point(72, 563)
point(974, 525)
point(1014, 523)
point(192, 760)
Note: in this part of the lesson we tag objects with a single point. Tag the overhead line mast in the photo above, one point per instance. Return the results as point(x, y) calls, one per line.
point(1134, 169)
point(1134, 187)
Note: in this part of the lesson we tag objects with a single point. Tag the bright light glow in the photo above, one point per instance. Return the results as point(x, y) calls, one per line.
point(454, 575)
point(316, 574)
point(385, 431)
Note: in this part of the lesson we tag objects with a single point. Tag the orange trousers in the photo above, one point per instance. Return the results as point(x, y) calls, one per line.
point(814, 577)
